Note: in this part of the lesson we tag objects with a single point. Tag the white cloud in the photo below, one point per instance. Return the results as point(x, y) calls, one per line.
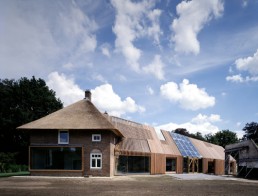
point(155, 68)
point(249, 64)
point(244, 3)
point(105, 48)
point(65, 88)
point(204, 118)
point(200, 123)
point(48, 35)
point(99, 77)
point(235, 78)
point(238, 124)
point(189, 96)
point(103, 96)
point(107, 100)
point(150, 90)
point(193, 15)
point(239, 79)
point(131, 24)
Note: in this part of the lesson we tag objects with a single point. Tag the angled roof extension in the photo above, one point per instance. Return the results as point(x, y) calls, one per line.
point(208, 150)
point(138, 139)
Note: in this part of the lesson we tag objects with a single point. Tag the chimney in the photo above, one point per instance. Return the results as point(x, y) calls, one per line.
point(88, 95)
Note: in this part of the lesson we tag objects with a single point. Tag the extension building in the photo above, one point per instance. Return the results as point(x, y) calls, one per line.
point(79, 140)
point(246, 156)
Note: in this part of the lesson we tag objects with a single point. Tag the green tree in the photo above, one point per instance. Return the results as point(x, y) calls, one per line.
point(251, 131)
point(23, 101)
point(222, 138)
point(182, 131)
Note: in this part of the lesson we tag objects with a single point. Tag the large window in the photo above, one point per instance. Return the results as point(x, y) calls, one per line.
point(63, 137)
point(56, 158)
point(96, 160)
point(133, 164)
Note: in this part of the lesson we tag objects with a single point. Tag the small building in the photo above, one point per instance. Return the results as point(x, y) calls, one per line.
point(246, 155)
point(79, 140)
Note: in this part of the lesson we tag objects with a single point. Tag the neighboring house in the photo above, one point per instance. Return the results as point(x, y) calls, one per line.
point(79, 140)
point(246, 155)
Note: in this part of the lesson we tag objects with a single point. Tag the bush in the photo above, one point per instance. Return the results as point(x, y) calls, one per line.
point(8, 165)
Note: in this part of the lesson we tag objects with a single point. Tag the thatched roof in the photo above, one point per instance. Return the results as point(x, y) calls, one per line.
point(80, 115)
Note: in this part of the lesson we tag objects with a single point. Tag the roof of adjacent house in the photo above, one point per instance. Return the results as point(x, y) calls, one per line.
point(80, 115)
point(246, 144)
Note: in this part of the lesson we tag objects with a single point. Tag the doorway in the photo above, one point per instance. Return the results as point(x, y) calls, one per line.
point(170, 165)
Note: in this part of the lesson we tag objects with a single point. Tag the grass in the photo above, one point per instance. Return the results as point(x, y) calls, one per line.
point(23, 173)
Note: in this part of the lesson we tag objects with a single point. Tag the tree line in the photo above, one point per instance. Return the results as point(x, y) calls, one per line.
point(224, 137)
point(22, 101)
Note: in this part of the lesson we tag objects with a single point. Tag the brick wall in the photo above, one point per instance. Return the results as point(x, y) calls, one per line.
point(80, 138)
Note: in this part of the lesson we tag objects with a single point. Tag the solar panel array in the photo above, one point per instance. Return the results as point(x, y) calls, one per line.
point(185, 146)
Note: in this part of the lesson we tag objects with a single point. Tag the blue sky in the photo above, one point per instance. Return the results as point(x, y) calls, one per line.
point(171, 64)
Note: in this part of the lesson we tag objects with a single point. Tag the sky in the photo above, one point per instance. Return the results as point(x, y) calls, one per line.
point(167, 63)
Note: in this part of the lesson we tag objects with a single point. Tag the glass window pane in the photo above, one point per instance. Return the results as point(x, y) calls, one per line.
point(60, 158)
point(93, 163)
point(98, 163)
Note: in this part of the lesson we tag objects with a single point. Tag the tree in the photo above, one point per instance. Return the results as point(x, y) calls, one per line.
point(251, 131)
point(222, 138)
point(23, 101)
point(182, 131)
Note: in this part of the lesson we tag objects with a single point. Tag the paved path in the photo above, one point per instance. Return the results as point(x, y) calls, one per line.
point(199, 176)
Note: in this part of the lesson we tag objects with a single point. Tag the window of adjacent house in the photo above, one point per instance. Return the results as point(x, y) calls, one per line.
point(96, 137)
point(63, 137)
point(96, 160)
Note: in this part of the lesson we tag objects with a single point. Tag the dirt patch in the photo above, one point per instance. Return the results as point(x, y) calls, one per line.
point(124, 185)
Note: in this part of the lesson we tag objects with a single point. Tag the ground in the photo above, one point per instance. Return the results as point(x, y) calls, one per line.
point(128, 185)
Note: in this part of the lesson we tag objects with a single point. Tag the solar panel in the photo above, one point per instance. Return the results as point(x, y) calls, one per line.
point(185, 146)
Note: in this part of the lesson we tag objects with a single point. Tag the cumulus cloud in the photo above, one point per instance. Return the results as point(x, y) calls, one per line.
point(235, 78)
point(103, 96)
point(201, 123)
point(187, 95)
point(155, 67)
point(249, 64)
point(193, 15)
point(107, 100)
point(65, 88)
point(240, 79)
point(131, 24)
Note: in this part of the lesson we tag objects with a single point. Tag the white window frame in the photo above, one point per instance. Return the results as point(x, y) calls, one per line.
point(96, 135)
point(95, 156)
point(59, 139)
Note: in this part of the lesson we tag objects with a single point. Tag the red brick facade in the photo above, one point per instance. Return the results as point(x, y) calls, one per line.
point(79, 138)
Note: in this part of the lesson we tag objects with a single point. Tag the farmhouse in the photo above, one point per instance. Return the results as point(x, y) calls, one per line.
point(79, 140)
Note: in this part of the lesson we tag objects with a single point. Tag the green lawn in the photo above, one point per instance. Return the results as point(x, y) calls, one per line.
point(23, 173)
